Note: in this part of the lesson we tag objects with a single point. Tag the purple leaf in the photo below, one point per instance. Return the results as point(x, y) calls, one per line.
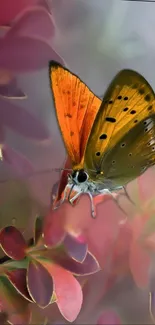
point(40, 284)
point(21, 121)
point(27, 54)
point(89, 265)
point(75, 249)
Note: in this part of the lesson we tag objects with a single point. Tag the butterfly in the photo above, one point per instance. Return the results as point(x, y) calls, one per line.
point(109, 142)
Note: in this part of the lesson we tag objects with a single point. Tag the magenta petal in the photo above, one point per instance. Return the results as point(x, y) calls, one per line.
point(75, 249)
point(34, 22)
point(27, 54)
point(17, 161)
point(21, 121)
point(11, 91)
point(109, 317)
point(40, 284)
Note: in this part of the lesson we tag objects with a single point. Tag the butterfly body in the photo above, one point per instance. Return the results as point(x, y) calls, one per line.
point(109, 142)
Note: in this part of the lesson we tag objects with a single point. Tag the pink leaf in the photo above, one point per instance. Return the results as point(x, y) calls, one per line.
point(67, 289)
point(40, 284)
point(13, 242)
point(27, 54)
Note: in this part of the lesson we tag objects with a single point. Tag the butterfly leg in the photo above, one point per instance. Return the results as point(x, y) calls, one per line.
point(71, 200)
point(93, 209)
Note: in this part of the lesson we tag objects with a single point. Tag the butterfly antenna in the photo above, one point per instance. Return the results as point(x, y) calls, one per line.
point(61, 169)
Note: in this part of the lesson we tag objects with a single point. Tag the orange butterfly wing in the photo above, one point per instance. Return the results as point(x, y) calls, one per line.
point(76, 108)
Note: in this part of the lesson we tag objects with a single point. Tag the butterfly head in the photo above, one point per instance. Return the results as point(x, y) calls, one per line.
point(79, 177)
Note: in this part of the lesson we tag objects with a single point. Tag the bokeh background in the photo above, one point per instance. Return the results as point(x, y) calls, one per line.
point(94, 39)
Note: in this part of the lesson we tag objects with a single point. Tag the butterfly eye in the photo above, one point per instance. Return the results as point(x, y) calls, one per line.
point(82, 176)
point(114, 162)
point(130, 154)
point(123, 145)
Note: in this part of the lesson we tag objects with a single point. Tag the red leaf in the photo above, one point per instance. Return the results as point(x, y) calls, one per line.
point(18, 279)
point(40, 284)
point(13, 243)
point(67, 289)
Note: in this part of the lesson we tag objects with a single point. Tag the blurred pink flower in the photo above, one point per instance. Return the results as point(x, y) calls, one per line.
point(109, 317)
point(9, 10)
